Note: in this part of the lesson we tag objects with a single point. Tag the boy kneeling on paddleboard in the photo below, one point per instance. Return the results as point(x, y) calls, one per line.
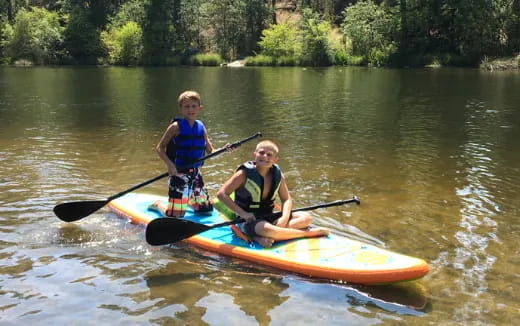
point(185, 141)
point(256, 184)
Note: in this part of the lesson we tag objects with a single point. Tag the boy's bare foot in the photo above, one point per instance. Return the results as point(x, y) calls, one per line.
point(317, 232)
point(159, 207)
point(264, 242)
point(155, 206)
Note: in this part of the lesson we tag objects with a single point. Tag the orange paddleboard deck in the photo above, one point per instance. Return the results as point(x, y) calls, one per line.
point(333, 257)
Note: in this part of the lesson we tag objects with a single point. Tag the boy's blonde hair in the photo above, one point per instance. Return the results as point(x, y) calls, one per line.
point(268, 144)
point(188, 95)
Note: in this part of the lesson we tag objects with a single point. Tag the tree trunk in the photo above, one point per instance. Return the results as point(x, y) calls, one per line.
point(10, 17)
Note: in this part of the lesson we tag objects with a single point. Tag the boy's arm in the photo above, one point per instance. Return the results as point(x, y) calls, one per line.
point(236, 181)
point(171, 132)
point(285, 197)
point(209, 146)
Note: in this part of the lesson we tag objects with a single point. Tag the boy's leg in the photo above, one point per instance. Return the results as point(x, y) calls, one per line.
point(199, 198)
point(299, 220)
point(159, 207)
point(268, 230)
point(177, 195)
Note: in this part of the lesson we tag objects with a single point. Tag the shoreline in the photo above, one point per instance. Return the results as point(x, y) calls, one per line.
point(499, 64)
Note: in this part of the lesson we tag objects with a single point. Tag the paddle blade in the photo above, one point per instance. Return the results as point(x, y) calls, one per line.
point(73, 211)
point(161, 231)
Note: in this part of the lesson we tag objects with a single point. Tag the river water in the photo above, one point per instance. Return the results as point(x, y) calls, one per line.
point(432, 154)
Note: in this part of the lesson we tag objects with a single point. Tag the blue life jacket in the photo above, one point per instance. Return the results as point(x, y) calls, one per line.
point(189, 146)
point(249, 196)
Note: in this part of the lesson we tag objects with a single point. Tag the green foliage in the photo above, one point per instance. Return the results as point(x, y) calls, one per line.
point(466, 30)
point(281, 40)
point(158, 33)
point(3, 36)
point(193, 24)
point(36, 36)
point(341, 57)
point(257, 17)
point(344, 58)
point(124, 45)
point(208, 59)
point(307, 43)
point(380, 32)
point(476, 27)
point(372, 29)
point(259, 60)
point(227, 22)
point(130, 11)
point(381, 56)
point(509, 63)
point(287, 61)
point(316, 46)
point(326, 8)
point(82, 38)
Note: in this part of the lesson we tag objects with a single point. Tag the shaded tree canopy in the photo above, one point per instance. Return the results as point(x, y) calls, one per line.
point(159, 32)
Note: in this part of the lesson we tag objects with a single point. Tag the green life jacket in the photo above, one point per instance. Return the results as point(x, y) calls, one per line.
point(249, 196)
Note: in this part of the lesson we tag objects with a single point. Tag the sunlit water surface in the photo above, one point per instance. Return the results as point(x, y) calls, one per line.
point(432, 154)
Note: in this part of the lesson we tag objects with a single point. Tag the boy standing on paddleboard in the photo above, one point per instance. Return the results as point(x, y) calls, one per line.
point(185, 141)
point(256, 184)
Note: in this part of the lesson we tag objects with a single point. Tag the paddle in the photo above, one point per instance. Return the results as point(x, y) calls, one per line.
point(161, 231)
point(73, 211)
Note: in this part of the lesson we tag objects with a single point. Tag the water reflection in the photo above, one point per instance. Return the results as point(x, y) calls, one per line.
point(478, 227)
point(202, 292)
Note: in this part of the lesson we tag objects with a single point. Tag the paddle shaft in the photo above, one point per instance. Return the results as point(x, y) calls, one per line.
point(161, 231)
point(73, 211)
point(215, 153)
point(279, 214)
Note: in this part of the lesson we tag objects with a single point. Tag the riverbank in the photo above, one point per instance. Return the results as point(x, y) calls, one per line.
point(236, 63)
point(507, 63)
point(504, 63)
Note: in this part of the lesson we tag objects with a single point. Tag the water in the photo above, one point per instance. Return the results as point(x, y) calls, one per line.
point(432, 154)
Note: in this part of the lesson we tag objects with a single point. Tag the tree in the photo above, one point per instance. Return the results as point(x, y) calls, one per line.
point(158, 32)
point(315, 39)
point(124, 44)
point(36, 35)
point(129, 11)
point(192, 24)
point(373, 30)
point(257, 16)
point(227, 23)
point(281, 40)
point(461, 31)
point(82, 38)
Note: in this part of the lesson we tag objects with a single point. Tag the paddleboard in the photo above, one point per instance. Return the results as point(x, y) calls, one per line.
point(333, 257)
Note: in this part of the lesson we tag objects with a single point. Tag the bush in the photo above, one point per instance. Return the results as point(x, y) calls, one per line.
point(124, 45)
point(356, 60)
point(205, 59)
point(36, 35)
point(317, 49)
point(342, 57)
point(3, 27)
point(380, 56)
point(504, 63)
point(259, 60)
point(372, 30)
point(287, 61)
point(280, 40)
